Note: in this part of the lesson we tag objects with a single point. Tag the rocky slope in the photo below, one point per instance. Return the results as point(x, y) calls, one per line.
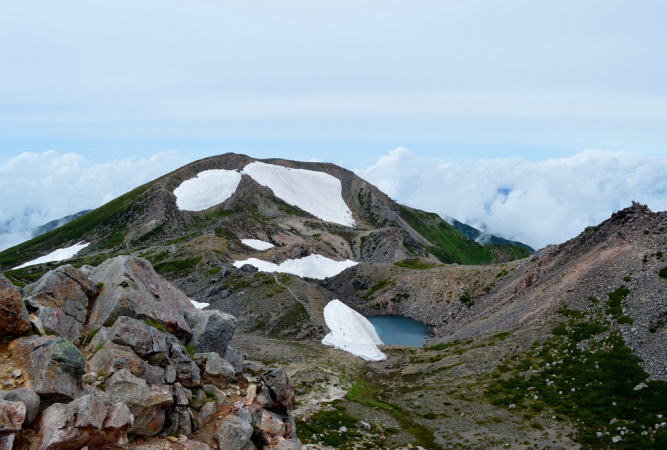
point(117, 357)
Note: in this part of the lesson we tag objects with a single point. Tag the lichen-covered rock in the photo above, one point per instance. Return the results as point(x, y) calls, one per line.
point(233, 433)
point(211, 330)
point(60, 299)
point(87, 421)
point(12, 415)
point(53, 365)
point(143, 339)
point(147, 403)
point(130, 287)
point(13, 313)
point(110, 358)
point(26, 396)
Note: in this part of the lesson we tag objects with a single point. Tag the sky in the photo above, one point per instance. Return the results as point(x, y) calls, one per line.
point(96, 97)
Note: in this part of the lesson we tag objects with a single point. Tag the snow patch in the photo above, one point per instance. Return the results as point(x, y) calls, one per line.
point(208, 188)
point(317, 193)
point(57, 255)
point(257, 244)
point(313, 266)
point(351, 332)
point(198, 305)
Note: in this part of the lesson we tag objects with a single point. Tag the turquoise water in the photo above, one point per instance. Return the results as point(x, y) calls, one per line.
point(399, 330)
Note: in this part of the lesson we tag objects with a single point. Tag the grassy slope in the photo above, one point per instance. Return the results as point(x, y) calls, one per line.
point(448, 244)
point(105, 216)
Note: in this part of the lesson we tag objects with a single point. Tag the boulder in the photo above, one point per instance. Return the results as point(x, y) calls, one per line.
point(13, 313)
point(26, 396)
point(147, 403)
point(289, 444)
point(280, 390)
point(111, 358)
point(235, 358)
point(130, 287)
point(12, 415)
point(7, 441)
point(180, 421)
point(143, 339)
point(216, 369)
point(211, 330)
point(187, 371)
point(233, 433)
point(60, 299)
point(87, 421)
point(53, 365)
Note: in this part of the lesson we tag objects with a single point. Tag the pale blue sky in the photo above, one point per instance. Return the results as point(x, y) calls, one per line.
point(488, 96)
point(343, 81)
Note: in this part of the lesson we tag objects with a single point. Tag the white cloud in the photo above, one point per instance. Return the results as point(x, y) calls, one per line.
point(537, 202)
point(39, 187)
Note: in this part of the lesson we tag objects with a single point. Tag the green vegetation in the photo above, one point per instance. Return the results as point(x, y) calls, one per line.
point(663, 272)
point(25, 276)
point(108, 218)
point(325, 425)
point(414, 263)
point(615, 305)
point(588, 375)
point(155, 324)
point(382, 284)
point(178, 265)
point(89, 336)
point(466, 299)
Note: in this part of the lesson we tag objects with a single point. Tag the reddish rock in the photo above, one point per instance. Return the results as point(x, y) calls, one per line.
point(13, 313)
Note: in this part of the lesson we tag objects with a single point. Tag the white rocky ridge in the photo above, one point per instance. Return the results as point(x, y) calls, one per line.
point(257, 244)
point(351, 332)
point(208, 188)
point(60, 254)
point(317, 193)
point(312, 266)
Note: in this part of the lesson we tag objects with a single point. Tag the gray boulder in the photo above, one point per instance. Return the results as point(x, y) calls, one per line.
point(60, 300)
point(147, 403)
point(26, 396)
point(53, 365)
point(87, 421)
point(235, 358)
point(12, 415)
point(187, 371)
point(144, 339)
point(289, 444)
point(216, 369)
point(233, 433)
point(132, 288)
point(276, 383)
point(111, 358)
point(13, 313)
point(211, 330)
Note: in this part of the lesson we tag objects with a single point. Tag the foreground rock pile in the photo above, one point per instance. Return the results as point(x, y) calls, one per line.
point(117, 357)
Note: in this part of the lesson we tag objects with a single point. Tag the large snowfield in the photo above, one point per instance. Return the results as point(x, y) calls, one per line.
point(317, 193)
point(313, 266)
point(57, 255)
point(351, 332)
point(257, 244)
point(208, 188)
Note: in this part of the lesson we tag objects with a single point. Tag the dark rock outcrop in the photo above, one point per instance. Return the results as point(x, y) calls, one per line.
point(13, 313)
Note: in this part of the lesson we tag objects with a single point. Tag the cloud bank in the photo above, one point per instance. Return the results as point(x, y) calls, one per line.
point(536, 202)
point(39, 187)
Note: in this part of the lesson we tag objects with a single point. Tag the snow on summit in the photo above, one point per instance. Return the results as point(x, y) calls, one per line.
point(351, 332)
point(57, 255)
point(317, 193)
point(313, 266)
point(207, 189)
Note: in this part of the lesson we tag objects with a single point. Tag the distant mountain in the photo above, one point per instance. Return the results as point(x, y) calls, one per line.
point(52, 225)
point(300, 215)
point(484, 238)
